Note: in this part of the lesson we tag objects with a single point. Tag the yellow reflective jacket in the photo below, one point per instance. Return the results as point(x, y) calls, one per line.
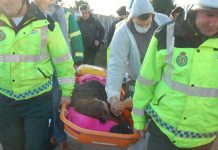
point(27, 52)
point(178, 86)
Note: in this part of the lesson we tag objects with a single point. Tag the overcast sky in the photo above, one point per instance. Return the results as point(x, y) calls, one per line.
point(108, 7)
point(105, 7)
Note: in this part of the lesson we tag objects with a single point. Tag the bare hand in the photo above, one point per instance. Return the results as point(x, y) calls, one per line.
point(116, 106)
point(65, 99)
point(97, 43)
point(141, 132)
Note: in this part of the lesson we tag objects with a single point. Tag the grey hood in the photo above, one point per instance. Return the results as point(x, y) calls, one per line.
point(140, 7)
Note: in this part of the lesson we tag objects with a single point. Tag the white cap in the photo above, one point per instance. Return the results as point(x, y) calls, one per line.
point(205, 4)
point(198, 4)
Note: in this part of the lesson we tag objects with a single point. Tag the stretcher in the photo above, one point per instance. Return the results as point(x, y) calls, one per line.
point(86, 136)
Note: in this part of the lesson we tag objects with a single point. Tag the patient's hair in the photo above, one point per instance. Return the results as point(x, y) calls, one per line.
point(93, 108)
point(89, 90)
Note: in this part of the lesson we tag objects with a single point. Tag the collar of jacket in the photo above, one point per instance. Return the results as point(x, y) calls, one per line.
point(187, 29)
point(32, 14)
point(90, 19)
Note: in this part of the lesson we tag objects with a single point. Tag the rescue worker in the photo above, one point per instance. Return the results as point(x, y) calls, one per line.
point(177, 85)
point(49, 7)
point(29, 44)
point(128, 47)
point(92, 34)
point(74, 34)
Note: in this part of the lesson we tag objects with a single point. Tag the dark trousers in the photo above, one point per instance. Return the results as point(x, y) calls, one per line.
point(90, 55)
point(25, 125)
point(159, 141)
point(59, 134)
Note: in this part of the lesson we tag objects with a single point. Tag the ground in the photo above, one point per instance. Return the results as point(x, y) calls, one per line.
point(77, 146)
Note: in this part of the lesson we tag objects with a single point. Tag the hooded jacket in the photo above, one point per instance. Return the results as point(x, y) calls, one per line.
point(125, 55)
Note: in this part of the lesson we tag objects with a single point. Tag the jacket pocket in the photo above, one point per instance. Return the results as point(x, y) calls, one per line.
point(44, 73)
point(157, 101)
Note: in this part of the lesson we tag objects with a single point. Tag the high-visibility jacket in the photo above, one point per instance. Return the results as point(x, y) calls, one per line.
point(76, 43)
point(178, 85)
point(26, 55)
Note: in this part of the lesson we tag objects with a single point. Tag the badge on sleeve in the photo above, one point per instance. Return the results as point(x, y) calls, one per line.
point(2, 35)
point(182, 59)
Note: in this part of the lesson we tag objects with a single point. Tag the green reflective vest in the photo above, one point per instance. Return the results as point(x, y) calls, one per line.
point(76, 43)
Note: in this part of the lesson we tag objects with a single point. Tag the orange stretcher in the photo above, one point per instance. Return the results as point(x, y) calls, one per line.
point(96, 137)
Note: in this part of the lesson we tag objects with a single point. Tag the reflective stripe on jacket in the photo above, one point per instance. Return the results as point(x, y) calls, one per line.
point(26, 58)
point(178, 87)
point(76, 43)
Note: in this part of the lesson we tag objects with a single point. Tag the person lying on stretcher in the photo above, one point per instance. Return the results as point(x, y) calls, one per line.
point(94, 114)
point(89, 109)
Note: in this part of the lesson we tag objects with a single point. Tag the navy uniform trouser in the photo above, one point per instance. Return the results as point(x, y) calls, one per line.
point(25, 125)
point(59, 134)
point(159, 141)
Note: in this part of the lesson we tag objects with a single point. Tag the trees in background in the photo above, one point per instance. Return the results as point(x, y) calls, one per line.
point(163, 6)
point(79, 3)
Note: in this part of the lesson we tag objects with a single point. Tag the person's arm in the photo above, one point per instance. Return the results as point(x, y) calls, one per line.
point(120, 47)
point(76, 42)
point(161, 19)
point(110, 33)
point(62, 60)
point(150, 74)
point(63, 23)
point(101, 32)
